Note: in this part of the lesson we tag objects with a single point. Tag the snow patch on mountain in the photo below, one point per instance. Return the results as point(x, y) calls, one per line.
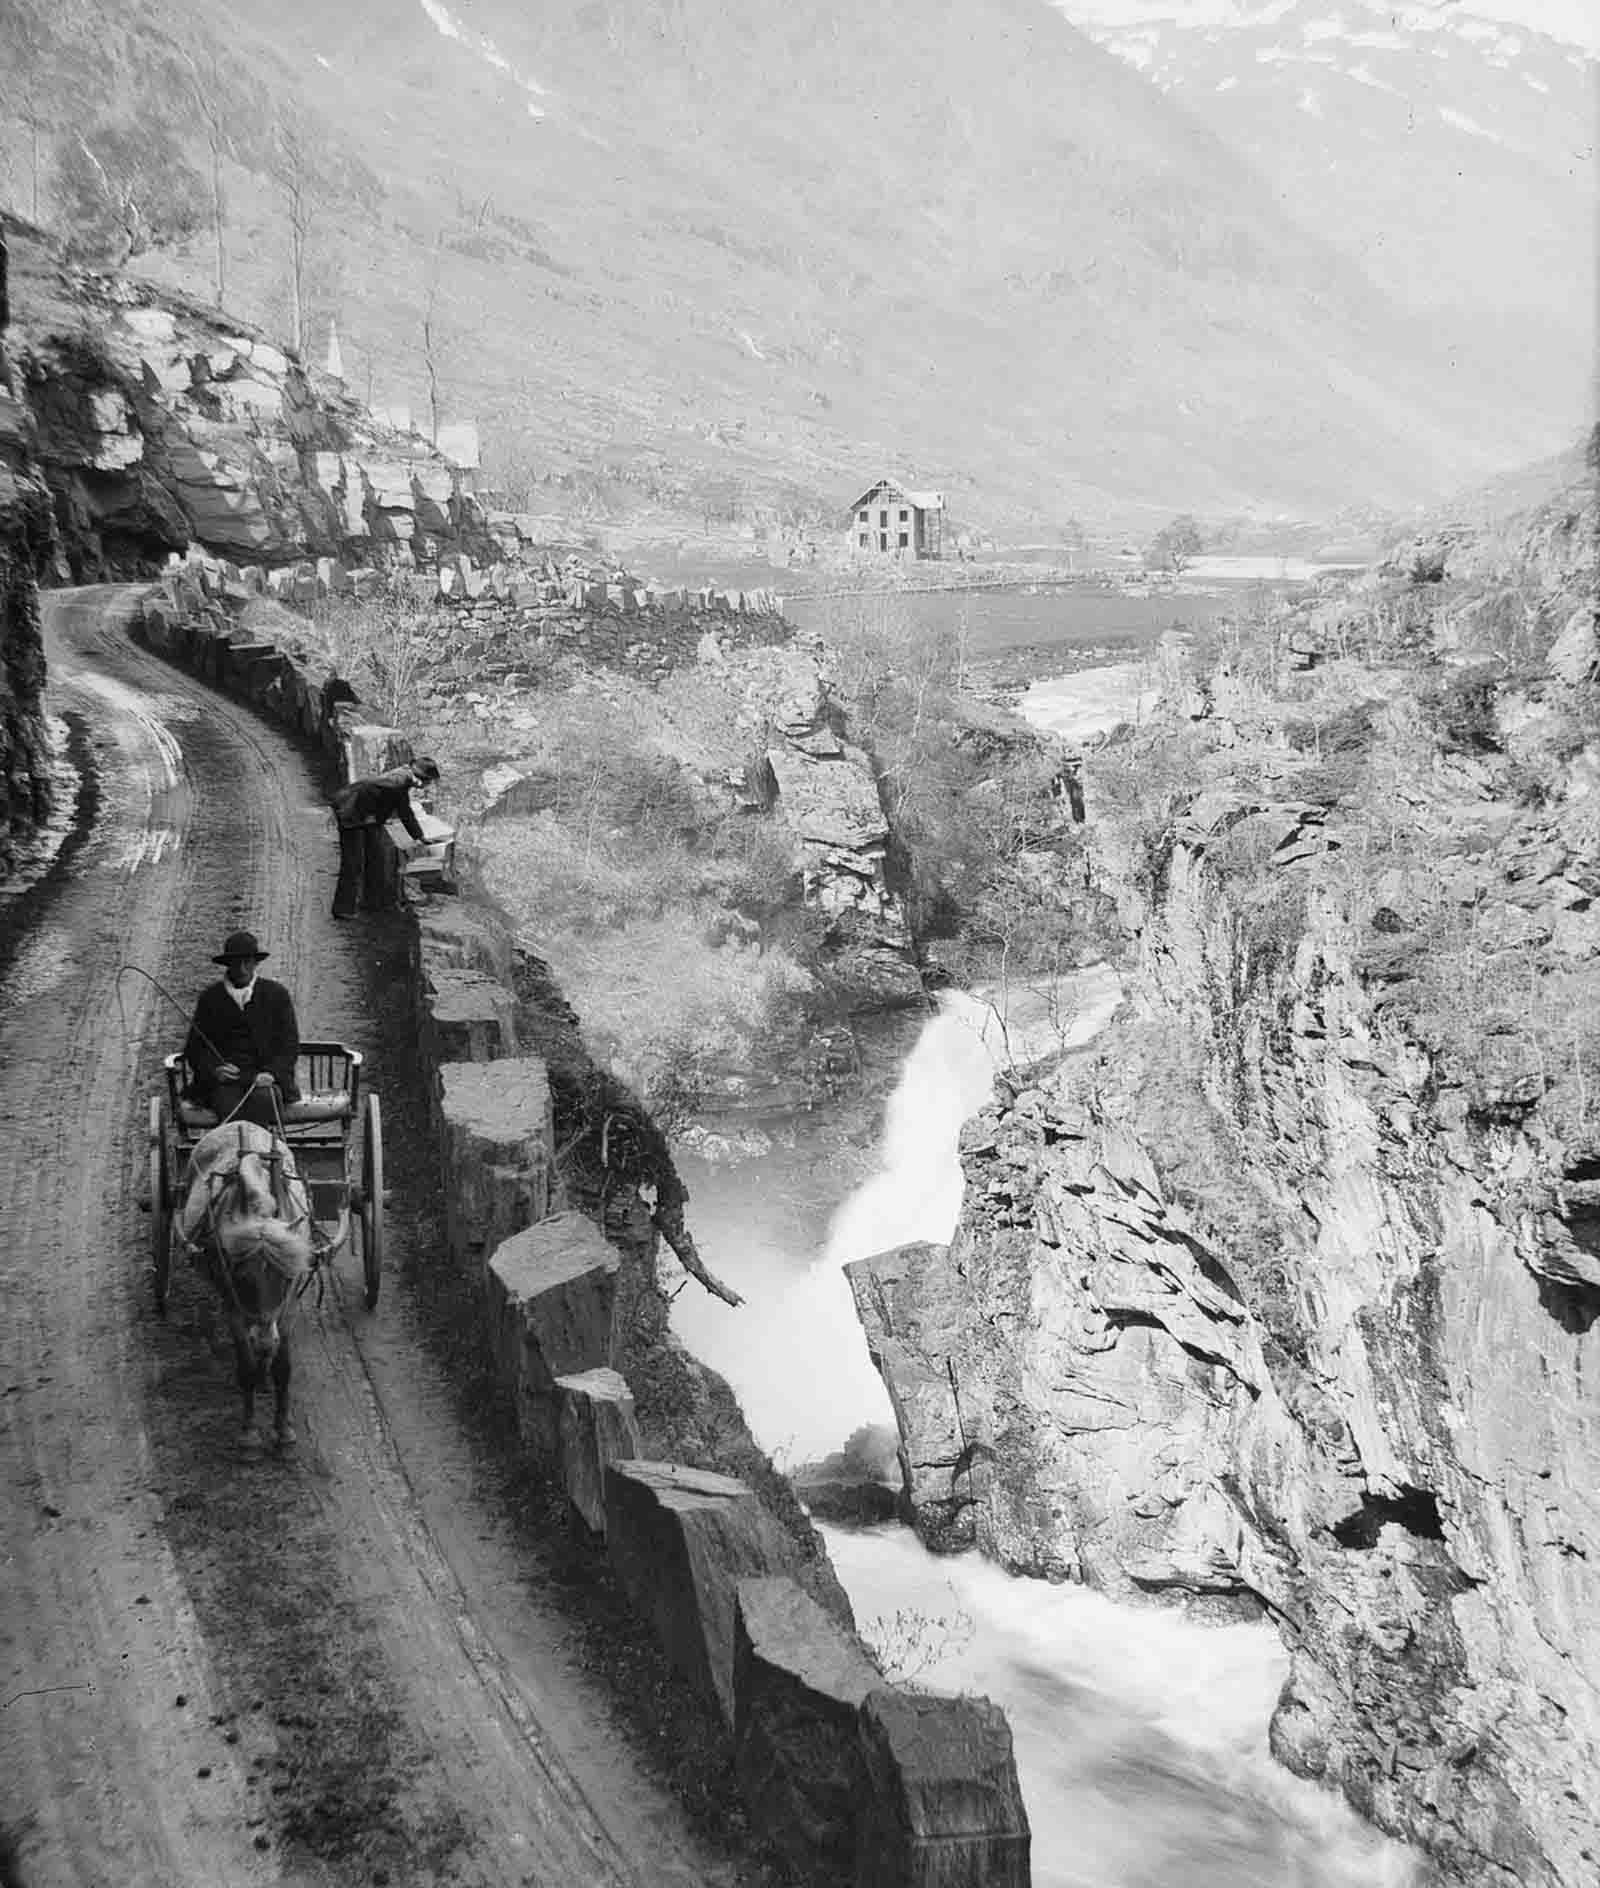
point(1364, 75)
point(1575, 23)
point(1470, 125)
point(451, 27)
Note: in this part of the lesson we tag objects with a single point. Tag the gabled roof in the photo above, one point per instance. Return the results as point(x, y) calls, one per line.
point(924, 501)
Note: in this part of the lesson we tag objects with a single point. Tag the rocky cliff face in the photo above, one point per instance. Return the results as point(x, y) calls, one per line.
point(25, 545)
point(162, 423)
point(1285, 1293)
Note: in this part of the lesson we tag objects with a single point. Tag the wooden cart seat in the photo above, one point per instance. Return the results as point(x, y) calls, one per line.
point(325, 1107)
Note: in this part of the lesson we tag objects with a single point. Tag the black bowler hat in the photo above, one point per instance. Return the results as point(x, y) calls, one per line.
point(425, 767)
point(239, 944)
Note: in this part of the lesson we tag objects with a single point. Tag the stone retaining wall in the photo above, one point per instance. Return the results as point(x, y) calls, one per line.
point(537, 585)
point(843, 1773)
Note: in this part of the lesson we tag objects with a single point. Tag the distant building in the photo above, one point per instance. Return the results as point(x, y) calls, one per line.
point(890, 518)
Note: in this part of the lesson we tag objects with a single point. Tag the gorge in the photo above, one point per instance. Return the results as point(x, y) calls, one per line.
point(1282, 1298)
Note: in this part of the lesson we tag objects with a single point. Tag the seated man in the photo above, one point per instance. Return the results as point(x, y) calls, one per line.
point(244, 1039)
point(364, 806)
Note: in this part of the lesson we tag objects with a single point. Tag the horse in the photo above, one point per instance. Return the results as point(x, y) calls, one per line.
point(246, 1223)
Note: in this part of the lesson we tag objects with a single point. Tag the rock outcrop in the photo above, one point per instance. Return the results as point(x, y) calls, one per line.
point(161, 423)
point(1285, 1295)
point(25, 553)
point(823, 789)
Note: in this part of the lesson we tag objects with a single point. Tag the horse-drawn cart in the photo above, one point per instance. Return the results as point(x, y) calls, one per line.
point(322, 1129)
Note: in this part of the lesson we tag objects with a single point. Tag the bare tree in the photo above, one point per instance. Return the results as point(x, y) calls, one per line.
point(206, 81)
point(300, 177)
point(125, 187)
point(445, 339)
point(431, 341)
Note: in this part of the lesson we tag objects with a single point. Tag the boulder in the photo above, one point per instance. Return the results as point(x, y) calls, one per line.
point(897, 1294)
point(680, 1540)
point(943, 1805)
point(799, 1680)
point(551, 1288)
point(597, 1427)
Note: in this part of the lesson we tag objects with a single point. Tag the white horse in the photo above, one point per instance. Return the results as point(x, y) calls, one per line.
point(246, 1222)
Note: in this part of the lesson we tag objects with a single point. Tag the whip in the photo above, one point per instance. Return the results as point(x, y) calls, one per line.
point(156, 984)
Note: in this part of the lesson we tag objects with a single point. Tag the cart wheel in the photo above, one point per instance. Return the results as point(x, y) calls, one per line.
point(371, 1197)
point(160, 1200)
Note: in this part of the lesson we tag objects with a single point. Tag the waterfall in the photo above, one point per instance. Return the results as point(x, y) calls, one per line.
point(916, 1192)
point(796, 1355)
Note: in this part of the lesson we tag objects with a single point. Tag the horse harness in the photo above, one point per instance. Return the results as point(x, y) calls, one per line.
point(222, 1268)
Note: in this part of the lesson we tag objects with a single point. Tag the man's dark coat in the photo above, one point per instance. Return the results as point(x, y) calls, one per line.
point(262, 1037)
point(374, 802)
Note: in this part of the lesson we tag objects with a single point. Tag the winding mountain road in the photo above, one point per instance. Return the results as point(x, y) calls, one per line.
point(220, 1665)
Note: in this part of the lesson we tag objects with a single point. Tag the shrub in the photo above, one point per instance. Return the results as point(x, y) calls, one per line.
point(1461, 711)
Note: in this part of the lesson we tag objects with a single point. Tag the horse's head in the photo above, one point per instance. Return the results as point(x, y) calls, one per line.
point(267, 1260)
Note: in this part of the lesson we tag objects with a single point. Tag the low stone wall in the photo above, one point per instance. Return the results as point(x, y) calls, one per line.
point(531, 586)
point(841, 1771)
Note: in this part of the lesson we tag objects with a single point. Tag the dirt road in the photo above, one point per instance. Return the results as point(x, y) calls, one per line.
point(221, 1665)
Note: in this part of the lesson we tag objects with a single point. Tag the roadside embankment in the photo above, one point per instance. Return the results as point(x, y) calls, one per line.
point(558, 1190)
point(25, 546)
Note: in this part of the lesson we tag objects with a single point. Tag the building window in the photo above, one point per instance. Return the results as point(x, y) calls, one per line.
point(905, 539)
point(862, 517)
point(903, 516)
point(883, 517)
point(883, 540)
point(866, 540)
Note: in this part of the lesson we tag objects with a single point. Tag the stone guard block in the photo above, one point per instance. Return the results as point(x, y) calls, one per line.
point(594, 1415)
point(467, 1017)
point(799, 1680)
point(680, 1540)
point(497, 1143)
point(944, 1805)
point(551, 1290)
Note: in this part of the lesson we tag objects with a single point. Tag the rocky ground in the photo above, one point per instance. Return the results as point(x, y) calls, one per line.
point(1283, 1295)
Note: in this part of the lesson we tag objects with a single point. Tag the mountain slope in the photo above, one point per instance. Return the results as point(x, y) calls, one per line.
point(754, 254)
point(1452, 155)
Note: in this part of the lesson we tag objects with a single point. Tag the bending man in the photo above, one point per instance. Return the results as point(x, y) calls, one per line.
point(244, 1040)
point(361, 809)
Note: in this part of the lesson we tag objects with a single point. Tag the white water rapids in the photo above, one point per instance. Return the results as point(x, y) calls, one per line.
point(1141, 1736)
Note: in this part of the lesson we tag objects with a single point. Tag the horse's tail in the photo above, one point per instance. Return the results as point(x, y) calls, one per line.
point(285, 1248)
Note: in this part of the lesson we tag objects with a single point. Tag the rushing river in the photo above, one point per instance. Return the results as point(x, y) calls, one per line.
point(1140, 1734)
